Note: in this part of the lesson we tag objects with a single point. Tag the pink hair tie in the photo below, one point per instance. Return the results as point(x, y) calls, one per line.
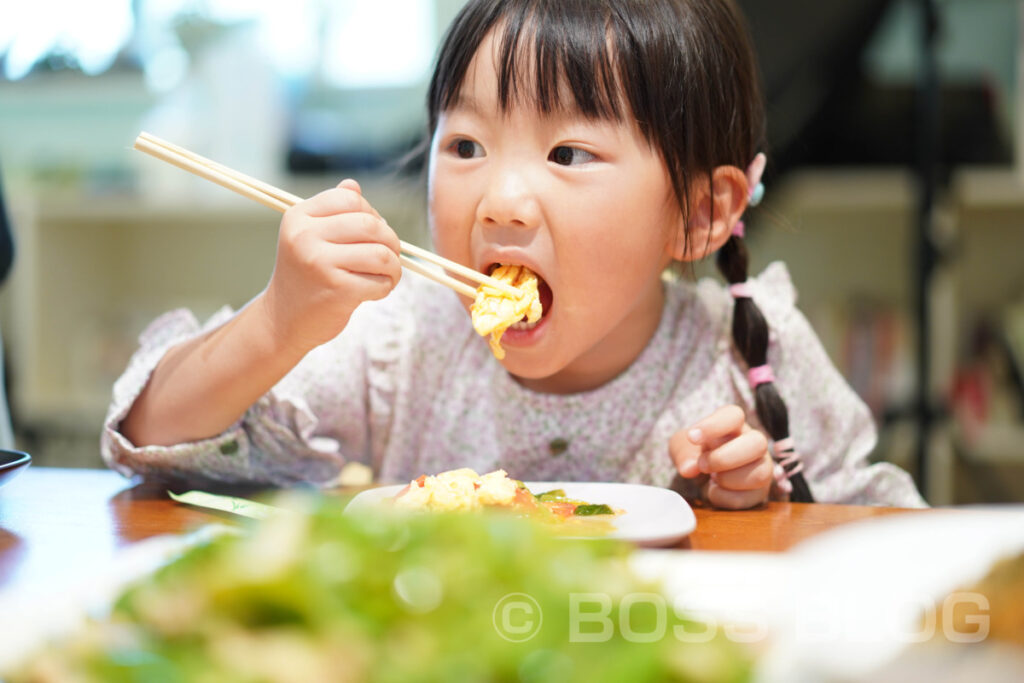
point(783, 445)
point(741, 290)
point(787, 463)
point(782, 479)
point(739, 230)
point(762, 374)
point(791, 464)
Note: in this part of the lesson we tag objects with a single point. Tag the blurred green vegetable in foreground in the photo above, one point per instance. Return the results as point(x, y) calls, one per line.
point(321, 596)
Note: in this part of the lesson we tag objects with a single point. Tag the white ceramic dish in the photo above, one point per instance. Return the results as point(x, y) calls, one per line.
point(652, 516)
point(845, 604)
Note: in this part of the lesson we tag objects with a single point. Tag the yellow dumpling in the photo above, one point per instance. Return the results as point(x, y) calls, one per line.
point(494, 311)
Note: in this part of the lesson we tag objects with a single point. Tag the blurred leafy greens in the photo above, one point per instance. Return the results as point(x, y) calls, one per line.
point(316, 595)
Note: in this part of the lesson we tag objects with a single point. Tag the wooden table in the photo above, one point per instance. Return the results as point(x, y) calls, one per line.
point(56, 523)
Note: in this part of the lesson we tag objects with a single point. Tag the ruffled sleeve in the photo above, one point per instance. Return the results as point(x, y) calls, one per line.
point(832, 427)
point(303, 430)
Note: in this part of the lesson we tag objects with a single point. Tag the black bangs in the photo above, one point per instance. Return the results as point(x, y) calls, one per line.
point(547, 52)
point(681, 71)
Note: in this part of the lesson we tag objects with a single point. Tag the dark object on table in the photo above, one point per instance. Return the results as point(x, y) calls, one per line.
point(6, 260)
point(12, 462)
point(6, 241)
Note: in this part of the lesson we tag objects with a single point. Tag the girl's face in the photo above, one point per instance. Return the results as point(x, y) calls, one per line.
point(586, 204)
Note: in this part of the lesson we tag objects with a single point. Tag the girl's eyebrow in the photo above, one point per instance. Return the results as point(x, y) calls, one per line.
point(467, 104)
point(471, 105)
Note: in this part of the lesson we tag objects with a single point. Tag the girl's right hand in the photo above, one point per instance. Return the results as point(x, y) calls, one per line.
point(334, 252)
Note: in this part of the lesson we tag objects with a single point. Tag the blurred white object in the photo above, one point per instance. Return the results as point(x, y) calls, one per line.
point(230, 108)
point(849, 602)
point(91, 34)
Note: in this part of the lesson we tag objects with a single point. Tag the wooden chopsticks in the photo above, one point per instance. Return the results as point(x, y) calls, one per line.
point(279, 200)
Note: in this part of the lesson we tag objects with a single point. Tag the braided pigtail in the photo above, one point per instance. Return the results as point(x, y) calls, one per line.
point(750, 334)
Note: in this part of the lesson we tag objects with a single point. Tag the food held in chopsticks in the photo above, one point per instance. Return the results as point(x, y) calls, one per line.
point(463, 489)
point(494, 310)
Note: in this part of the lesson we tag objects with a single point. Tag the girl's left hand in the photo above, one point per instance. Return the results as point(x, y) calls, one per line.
point(732, 453)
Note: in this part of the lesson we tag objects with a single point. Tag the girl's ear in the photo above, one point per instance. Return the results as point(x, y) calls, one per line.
point(715, 207)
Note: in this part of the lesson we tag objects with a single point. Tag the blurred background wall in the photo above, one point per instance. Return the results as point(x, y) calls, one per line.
point(304, 93)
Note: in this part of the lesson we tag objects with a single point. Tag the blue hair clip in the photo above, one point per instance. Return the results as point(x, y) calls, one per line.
point(756, 195)
point(754, 172)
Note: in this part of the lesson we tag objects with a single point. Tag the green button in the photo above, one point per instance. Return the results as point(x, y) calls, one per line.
point(229, 447)
point(558, 446)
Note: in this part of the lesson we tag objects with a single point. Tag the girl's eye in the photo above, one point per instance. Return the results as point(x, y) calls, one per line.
point(466, 149)
point(567, 156)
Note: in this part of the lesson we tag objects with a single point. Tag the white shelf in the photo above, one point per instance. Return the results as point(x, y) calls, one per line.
point(838, 190)
point(983, 188)
point(93, 272)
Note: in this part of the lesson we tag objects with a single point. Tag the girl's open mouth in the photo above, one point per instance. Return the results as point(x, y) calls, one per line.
point(544, 294)
point(546, 297)
point(537, 297)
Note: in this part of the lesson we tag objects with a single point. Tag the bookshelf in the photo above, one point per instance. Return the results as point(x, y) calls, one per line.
point(989, 285)
point(848, 237)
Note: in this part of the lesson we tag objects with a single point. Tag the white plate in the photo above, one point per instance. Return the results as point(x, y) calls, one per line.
point(846, 604)
point(652, 516)
point(879, 581)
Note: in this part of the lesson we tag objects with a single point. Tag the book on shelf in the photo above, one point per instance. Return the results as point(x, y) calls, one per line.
point(988, 391)
point(1012, 336)
point(869, 343)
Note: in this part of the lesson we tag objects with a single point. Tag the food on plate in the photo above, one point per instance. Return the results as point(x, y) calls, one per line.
point(494, 311)
point(464, 489)
point(319, 595)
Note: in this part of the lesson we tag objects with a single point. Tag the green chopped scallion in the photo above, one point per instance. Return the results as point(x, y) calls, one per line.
point(587, 510)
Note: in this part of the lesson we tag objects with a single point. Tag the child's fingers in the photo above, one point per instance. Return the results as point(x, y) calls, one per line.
point(349, 228)
point(755, 475)
point(734, 500)
point(361, 271)
point(684, 449)
point(720, 426)
point(365, 258)
point(364, 286)
point(687, 445)
point(335, 201)
point(749, 446)
point(353, 184)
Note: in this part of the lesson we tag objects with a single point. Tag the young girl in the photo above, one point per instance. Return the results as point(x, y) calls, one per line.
point(595, 142)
